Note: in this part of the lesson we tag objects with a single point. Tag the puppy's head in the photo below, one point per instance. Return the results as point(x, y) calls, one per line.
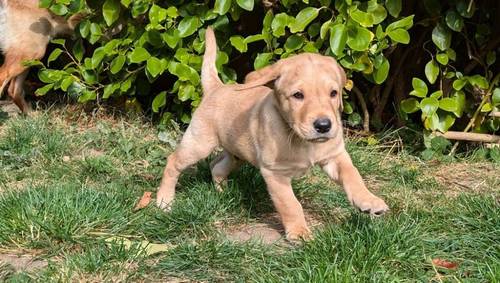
point(308, 88)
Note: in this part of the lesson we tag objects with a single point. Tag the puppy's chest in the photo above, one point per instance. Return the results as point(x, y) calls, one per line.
point(292, 162)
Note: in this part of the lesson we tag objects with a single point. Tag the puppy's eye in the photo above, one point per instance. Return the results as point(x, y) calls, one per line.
point(333, 93)
point(298, 95)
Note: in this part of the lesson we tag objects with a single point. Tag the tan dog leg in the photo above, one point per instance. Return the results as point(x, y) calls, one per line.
point(16, 92)
point(287, 205)
point(342, 171)
point(221, 167)
point(197, 143)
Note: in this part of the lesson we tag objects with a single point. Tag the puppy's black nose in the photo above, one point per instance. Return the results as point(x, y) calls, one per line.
point(322, 125)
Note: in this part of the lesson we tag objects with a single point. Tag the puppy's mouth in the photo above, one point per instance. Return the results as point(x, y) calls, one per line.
point(318, 140)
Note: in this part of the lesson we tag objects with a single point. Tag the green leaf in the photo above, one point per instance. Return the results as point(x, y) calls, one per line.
point(159, 101)
point(459, 84)
point(54, 55)
point(188, 26)
point(44, 4)
point(441, 36)
point(186, 92)
point(254, 38)
point(239, 43)
point(279, 23)
point(171, 38)
point(380, 74)
point(393, 7)
point(479, 81)
point(58, 41)
point(441, 121)
point(246, 4)
point(496, 96)
point(84, 28)
point(95, 33)
point(404, 23)
point(97, 57)
point(325, 27)
point(354, 119)
point(410, 105)
point(262, 60)
point(459, 97)
point(303, 18)
point(419, 88)
point(491, 57)
point(222, 6)
point(377, 12)
point(294, 42)
point(399, 35)
point(117, 64)
point(362, 18)
point(78, 50)
point(154, 66)
point(138, 55)
point(431, 71)
point(442, 58)
point(157, 14)
point(359, 38)
point(111, 11)
point(338, 38)
point(452, 55)
point(110, 89)
point(66, 83)
point(454, 20)
point(429, 106)
point(43, 90)
point(59, 9)
point(87, 95)
point(449, 104)
point(437, 94)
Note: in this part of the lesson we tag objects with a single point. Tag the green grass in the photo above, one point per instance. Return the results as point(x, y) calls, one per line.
point(69, 182)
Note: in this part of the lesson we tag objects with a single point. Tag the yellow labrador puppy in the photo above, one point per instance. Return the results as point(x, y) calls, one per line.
point(284, 120)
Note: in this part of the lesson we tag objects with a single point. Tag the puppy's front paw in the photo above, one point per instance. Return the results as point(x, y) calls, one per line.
point(371, 204)
point(299, 233)
point(164, 202)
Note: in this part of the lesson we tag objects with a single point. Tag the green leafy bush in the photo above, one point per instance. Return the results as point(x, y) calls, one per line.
point(151, 51)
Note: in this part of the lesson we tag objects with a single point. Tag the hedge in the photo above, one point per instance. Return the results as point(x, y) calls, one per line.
point(429, 63)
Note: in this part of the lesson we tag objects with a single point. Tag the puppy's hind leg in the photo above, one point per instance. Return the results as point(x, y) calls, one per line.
point(16, 92)
point(221, 167)
point(197, 143)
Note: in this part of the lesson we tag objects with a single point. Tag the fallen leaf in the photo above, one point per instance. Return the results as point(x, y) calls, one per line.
point(144, 201)
point(444, 263)
point(148, 247)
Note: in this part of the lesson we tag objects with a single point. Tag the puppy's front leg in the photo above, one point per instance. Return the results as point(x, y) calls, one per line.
point(287, 205)
point(342, 171)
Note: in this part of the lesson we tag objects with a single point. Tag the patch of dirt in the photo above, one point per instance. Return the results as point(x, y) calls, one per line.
point(269, 231)
point(467, 177)
point(22, 262)
point(9, 108)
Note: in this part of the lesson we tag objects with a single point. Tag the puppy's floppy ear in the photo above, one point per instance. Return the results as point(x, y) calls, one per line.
point(263, 77)
point(342, 78)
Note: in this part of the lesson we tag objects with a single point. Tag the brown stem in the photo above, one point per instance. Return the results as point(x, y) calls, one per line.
point(362, 103)
point(491, 45)
point(474, 137)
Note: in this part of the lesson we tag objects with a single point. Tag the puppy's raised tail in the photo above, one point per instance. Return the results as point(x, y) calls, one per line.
point(209, 77)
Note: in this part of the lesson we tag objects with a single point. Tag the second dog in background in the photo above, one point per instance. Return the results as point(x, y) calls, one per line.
point(25, 32)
